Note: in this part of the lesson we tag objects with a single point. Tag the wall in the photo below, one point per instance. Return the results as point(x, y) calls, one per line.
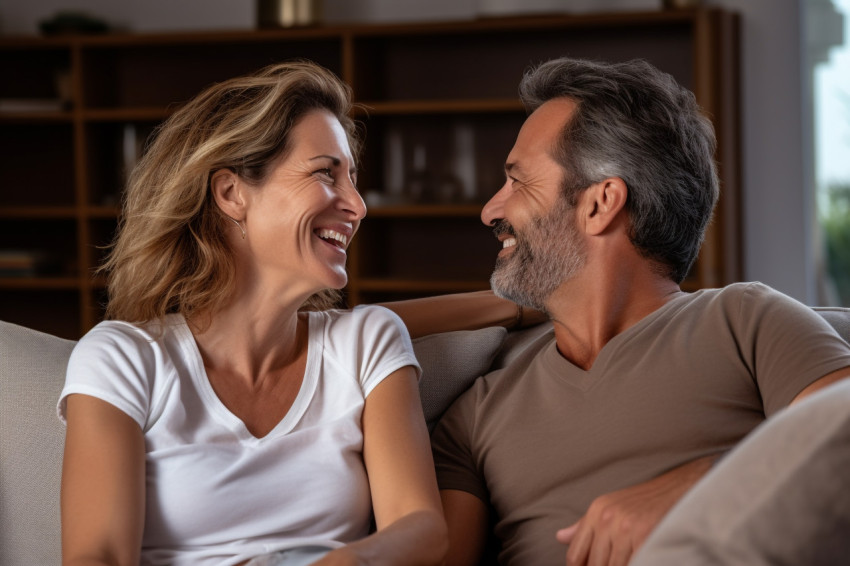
point(776, 205)
point(23, 16)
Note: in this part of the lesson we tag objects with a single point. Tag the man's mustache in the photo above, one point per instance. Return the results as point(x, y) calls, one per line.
point(502, 227)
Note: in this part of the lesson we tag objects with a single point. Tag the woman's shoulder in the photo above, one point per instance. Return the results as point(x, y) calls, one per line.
point(367, 331)
point(127, 365)
point(362, 318)
point(116, 336)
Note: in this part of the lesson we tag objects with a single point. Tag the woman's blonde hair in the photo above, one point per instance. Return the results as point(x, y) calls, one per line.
point(170, 253)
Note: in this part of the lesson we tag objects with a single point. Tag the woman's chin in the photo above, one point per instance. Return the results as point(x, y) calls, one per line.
point(337, 281)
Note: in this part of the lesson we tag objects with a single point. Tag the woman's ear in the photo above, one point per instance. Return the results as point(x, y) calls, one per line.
point(604, 201)
point(227, 190)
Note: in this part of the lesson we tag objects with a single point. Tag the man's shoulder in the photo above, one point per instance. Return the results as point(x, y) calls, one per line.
point(743, 290)
point(511, 368)
point(519, 342)
point(728, 303)
point(492, 396)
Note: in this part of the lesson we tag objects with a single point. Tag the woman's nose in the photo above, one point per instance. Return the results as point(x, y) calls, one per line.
point(353, 202)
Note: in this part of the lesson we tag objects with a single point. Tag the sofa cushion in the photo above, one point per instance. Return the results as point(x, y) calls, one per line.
point(838, 317)
point(32, 372)
point(450, 363)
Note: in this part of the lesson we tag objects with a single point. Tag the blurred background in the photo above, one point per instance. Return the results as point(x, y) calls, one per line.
point(792, 66)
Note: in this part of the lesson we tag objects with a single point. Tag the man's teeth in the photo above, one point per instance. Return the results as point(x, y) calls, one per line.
point(326, 234)
point(508, 242)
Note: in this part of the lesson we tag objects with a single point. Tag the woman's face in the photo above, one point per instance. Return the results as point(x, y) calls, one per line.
point(301, 220)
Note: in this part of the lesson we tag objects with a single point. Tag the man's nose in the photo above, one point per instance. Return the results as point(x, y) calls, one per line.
point(494, 208)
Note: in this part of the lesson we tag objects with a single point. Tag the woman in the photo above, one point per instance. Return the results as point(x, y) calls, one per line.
point(212, 419)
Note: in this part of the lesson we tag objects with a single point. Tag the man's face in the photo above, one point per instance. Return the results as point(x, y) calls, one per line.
point(548, 251)
point(542, 245)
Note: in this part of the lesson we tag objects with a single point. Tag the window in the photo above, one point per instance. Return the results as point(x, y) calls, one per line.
point(827, 45)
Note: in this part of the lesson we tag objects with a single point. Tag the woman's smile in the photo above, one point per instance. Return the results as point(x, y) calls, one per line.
point(333, 238)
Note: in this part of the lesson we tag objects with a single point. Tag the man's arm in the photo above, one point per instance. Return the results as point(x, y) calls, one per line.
point(461, 311)
point(466, 518)
point(617, 523)
point(828, 379)
point(784, 488)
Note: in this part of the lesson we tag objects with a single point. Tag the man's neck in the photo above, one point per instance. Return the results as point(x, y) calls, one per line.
point(589, 311)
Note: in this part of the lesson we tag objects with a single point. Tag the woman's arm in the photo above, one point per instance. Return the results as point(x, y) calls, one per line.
point(467, 521)
point(103, 493)
point(461, 311)
point(397, 453)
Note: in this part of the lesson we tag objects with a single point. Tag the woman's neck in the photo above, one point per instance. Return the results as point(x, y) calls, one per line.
point(250, 340)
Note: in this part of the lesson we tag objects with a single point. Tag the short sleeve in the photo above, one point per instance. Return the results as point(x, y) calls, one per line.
point(384, 345)
point(116, 363)
point(788, 344)
point(452, 446)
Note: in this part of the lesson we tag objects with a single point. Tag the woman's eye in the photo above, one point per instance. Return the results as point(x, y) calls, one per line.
point(326, 172)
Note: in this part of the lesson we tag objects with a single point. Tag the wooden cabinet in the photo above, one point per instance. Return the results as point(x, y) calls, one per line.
point(440, 112)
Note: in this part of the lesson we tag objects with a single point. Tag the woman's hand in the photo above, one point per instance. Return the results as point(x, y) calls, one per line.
point(339, 557)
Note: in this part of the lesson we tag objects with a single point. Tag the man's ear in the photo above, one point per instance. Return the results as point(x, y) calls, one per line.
point(227, 190)
point(602, 204)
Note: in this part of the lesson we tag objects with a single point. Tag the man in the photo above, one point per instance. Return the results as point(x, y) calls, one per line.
point(602, 426)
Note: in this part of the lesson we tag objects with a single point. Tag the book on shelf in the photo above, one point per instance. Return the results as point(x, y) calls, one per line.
point(26, 263)
point(13, 105)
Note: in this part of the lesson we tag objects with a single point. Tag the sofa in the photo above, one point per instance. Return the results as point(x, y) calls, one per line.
point(32, 368)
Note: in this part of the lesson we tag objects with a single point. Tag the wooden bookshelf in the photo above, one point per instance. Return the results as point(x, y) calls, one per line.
point(442, 93)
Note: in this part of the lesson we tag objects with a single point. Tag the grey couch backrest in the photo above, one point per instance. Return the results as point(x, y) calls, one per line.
point(32, 372)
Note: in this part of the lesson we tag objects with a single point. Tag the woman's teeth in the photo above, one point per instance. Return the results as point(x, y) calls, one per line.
point(336, 237)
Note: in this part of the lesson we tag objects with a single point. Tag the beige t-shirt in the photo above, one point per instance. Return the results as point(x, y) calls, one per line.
point(543, 438)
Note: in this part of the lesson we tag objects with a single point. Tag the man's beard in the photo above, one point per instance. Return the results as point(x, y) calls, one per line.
point(548, 252)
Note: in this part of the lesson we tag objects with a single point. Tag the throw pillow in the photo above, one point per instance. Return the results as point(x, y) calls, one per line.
point(450, 363)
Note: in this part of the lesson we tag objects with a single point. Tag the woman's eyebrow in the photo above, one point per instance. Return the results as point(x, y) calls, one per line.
point(335, 160)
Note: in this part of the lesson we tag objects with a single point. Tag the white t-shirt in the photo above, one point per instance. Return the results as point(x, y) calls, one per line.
point(215, 493)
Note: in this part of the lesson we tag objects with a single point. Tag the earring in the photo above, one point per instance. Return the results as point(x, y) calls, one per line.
point(238, 224)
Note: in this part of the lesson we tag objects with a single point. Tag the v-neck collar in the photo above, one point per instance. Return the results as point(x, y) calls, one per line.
point(566, 371)
point(219, 410)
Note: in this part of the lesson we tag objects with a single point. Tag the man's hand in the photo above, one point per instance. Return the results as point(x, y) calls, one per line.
point(617, 523)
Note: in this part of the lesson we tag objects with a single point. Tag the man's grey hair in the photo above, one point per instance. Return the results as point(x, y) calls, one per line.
point(637, 123)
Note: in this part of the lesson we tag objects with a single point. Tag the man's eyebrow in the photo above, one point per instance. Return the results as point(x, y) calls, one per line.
point(335, 160)
point(512, 166)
